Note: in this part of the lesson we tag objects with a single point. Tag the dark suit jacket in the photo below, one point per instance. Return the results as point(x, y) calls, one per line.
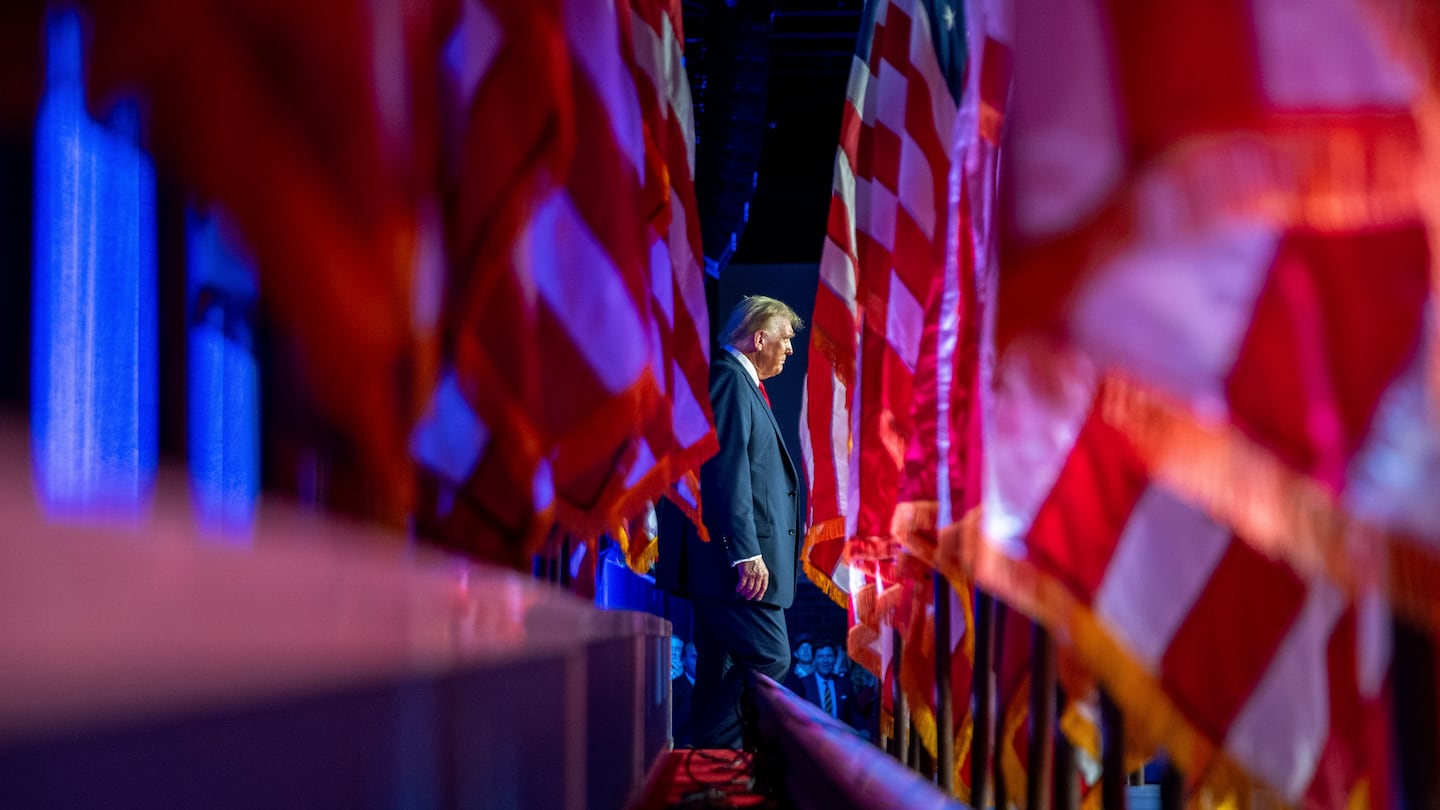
point(749, 500)
point(680, 693)
point(808, 687)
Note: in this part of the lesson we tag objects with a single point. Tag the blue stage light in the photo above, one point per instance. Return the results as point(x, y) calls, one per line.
point(93, 352)
point(224, 390)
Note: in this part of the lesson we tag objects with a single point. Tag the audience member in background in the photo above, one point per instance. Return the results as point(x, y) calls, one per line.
point(842, 662)
point(867, 694)
point(682, 686)
point(802, 658)
point(677, 656)
point(821, 687)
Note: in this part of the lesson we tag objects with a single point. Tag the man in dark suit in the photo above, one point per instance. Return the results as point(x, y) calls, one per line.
point(682, 688)
point(822, 687)
point(743, 579)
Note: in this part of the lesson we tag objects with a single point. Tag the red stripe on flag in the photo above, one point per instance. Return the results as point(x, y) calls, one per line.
point(1078, 527)
point(1156, 49)
point(1325, 343)
point(882, 161)
point(1246, 609)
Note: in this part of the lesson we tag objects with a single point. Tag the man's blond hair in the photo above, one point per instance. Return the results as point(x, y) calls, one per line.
point(756, 312)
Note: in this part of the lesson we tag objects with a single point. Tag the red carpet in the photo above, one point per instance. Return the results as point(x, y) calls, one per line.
point(696, 778)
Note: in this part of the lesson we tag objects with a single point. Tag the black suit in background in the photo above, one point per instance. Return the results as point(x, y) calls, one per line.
point(681, 691)
point(846, 710)
point(749, 492)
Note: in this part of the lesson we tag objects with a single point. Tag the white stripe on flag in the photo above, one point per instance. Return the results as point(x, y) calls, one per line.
point(690, 422)
point(578, 280)
point(1196, 297)
point(1324, 54)
point(807, 445)
point(875, 210)
point(889, 96)
point(689, 279)
point(650, 59)
point(922, 56)
point(855, 88)
point(678, 90)
point(592, 29)
point(1374, 631)
point(1031, 427)
point(917, 178)
point(1063, 106)
point(1391, 480)
point(662, 280)
point(843, 184)
point(1281, 732)
point(472, 47)
point(839, 441)
point(904, 322)
point(1162, 563)
point(450, 437)
point(851, 450)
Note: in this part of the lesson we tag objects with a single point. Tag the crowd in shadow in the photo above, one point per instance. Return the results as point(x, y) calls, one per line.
point(820, 672)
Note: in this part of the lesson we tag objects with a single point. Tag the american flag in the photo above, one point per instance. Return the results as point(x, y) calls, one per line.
point(890, 323)
point(1194, 378)
point(681, 434)
point(556, 369)
point(1247, 249)
point(885, 245)
point(1250, 674)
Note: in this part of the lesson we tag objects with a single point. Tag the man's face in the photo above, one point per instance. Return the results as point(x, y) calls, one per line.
point(804, 653)
point(677, 654)
point(690, 657)
point(772, 347)
point(825, 661)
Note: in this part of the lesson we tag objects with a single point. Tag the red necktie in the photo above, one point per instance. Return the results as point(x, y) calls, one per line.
point(765, 394)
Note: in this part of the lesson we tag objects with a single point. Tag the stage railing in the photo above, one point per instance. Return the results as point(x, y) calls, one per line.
point(818, 763)
point(326, 666)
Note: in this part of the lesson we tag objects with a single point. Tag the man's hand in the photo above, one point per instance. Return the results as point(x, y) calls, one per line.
point(754, 579)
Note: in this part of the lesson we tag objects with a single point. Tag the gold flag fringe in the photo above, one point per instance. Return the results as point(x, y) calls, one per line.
point(824, 532)
point(642, 563)
point(640, 552)
point(913, 524)
point(841, 362)
point(860, 643)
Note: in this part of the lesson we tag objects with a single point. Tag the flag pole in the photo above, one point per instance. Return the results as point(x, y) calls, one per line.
point(999, 788)
point(1414, 713)
point(1042, 721)
point(1172, 788)
point(944, 699)
point(1113, 778)
point(1065, 784)
point(902, 707)
point(982, 687)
